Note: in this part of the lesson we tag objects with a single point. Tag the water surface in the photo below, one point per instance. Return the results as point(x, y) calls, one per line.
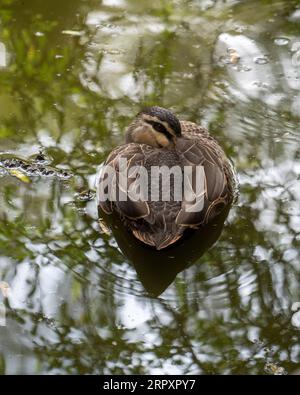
point(72, 76)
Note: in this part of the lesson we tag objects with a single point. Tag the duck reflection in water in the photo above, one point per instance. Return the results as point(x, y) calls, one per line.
point(158, 269)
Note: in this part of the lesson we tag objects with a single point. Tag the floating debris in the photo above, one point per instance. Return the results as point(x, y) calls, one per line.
point(261, 60)
point(113, 51)
point(10, 163)
point(234, 57)
point(42, 159)
point(21, 168)
point(85, 196)
point(243, 68)
point(261, 84)
point(104, 229)
point(74, 33)
point(20, 176)
point(281, 41)
point(273, 368)
point(4, 288)
point(63, 174)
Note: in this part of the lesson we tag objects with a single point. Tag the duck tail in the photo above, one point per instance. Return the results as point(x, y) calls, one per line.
point(157, 240)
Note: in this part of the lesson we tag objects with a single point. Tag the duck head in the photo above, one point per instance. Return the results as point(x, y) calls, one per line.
point(154, 126)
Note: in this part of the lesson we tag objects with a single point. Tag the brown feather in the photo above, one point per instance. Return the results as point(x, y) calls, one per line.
point(159, 223)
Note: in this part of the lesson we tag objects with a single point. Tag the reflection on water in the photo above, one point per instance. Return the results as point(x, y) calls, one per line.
point(158, 270)
point(76, 74)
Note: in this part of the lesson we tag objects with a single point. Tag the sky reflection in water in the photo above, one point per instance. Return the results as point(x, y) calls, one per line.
point(74, 75)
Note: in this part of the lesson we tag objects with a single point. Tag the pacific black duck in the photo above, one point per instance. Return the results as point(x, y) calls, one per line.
point(157, 138)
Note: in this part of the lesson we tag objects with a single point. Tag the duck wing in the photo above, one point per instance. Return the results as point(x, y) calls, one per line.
point(118, 180)
point(206, 189)
point(151, 221)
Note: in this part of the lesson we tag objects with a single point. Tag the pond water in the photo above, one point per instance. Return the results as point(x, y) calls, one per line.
point(72, 76)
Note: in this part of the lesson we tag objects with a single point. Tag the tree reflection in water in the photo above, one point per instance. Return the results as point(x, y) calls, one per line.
point(76, 304)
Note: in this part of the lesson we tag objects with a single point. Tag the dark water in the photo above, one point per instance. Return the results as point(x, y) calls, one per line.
point(72, 76)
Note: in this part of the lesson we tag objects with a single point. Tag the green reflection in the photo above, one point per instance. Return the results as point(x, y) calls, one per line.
point(77, 73)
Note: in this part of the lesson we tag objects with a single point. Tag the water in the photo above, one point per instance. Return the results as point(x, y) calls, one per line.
point(72, 76)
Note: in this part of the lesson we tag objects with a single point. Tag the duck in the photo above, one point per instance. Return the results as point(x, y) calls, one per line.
point(156, 138)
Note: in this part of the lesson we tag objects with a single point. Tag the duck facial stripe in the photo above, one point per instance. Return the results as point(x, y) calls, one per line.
point(160, 128)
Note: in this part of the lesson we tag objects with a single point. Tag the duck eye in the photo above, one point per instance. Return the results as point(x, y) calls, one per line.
point(160, 128)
